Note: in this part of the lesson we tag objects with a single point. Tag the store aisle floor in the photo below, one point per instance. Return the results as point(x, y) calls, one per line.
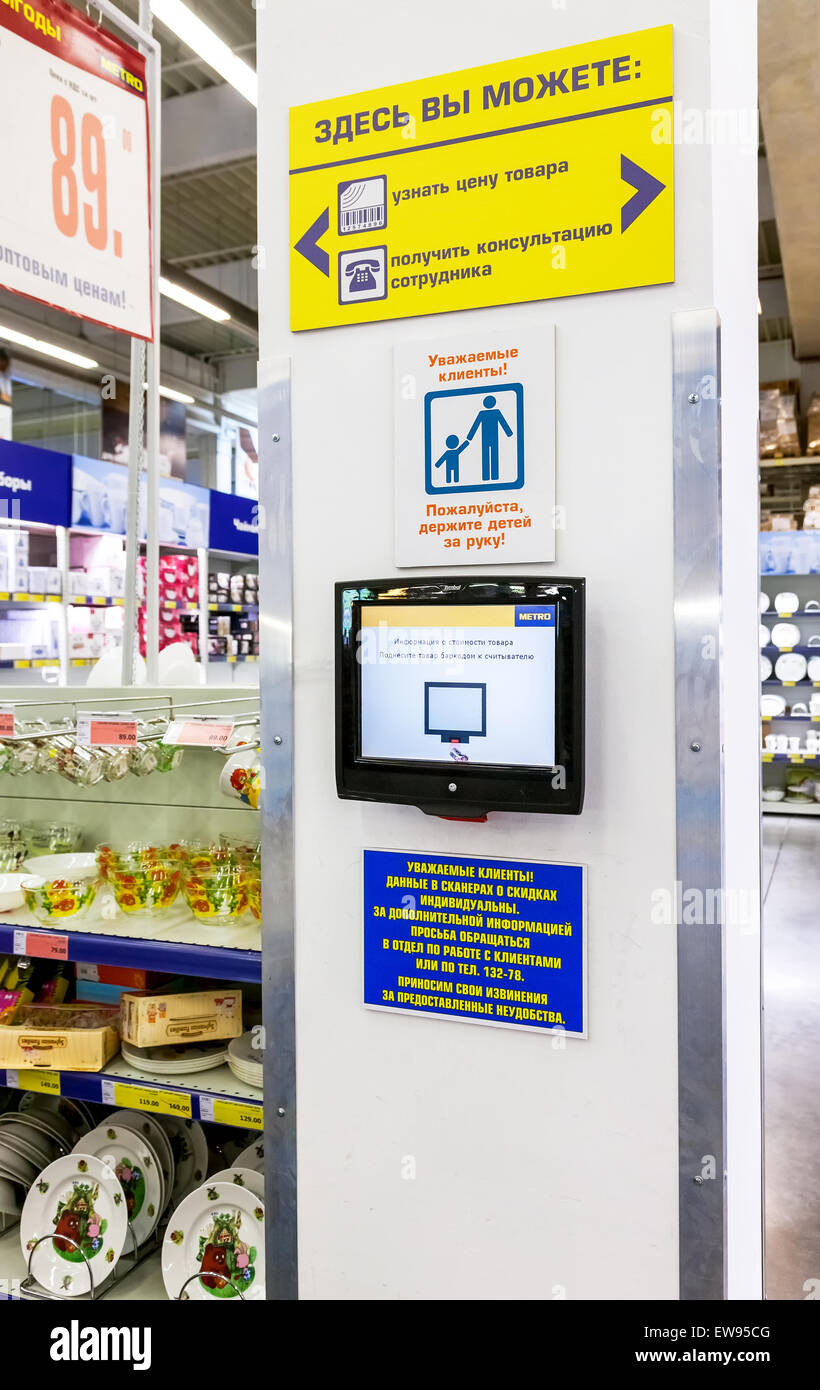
point(791, 970)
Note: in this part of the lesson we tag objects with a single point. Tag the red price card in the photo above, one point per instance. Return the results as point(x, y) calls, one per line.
point(106, 730)
point(200, 733)
point(6, 722)
point(40, 944)
point(75, 211)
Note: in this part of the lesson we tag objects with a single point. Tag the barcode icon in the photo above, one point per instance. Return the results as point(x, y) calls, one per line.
point(362, 219)
point(362, 205)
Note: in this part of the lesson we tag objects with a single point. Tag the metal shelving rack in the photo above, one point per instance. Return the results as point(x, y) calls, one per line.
point(807, 588)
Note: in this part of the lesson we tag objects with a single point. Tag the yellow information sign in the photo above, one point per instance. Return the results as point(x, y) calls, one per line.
point(533, 178)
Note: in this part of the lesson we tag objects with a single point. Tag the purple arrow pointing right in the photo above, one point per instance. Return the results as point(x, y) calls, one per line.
point(306, 245)
point(648, 188)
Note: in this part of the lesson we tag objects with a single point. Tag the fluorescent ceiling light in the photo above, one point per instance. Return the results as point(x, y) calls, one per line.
point(205, 43)
point(171, 395)
point(192, 301)
point(759, 305)
point(47, 349)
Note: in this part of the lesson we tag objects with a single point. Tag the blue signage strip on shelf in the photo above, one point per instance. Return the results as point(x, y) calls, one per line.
point(234, 523)
point(35, 484)
point(100, 501)
point(493, 941)
point(174, 957)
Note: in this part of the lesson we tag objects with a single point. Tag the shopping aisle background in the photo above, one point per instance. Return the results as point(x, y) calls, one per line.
point(791, 971)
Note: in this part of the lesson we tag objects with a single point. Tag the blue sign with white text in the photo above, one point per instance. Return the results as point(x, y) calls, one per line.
point(35, 484)
point(234, 523)
point(498, 941)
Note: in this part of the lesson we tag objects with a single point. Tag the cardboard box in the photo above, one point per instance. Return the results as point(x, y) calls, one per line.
point(54, 580)
point(210, 1014)
point(47, 1036)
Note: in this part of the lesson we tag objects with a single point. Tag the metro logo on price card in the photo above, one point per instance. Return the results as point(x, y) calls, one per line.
point(75, 215)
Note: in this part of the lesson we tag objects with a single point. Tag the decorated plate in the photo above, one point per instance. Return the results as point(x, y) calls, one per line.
point(252, 1157)
point(243, 1177)
point(218, 1235)
point(190, 1150)
point(77, 1201)
point(152, 1130)
point(137, 1168)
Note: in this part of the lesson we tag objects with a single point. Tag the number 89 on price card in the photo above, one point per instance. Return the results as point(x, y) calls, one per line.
point(75, 213)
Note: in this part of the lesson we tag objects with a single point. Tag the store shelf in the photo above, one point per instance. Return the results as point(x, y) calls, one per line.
point(232, 659)
point(27, 600)
point(178, 605)
point(245, 608)
point(788, 685)
point(30, 664)
point(798, 718)
point(791, 808)
point(206, 1095)
point(803, 650)
point(94, 601)
point(106, 948)
point(798, 759)
point(813, 461)
point(798, 613)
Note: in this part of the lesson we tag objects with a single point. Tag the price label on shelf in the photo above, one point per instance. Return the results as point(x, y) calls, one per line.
point(75, 215)
point(243, 1113)
point(43, 945)
point(150, 1098)
point(6, 721)
point(200, 733)
point(106, 730)
point(47, 1082)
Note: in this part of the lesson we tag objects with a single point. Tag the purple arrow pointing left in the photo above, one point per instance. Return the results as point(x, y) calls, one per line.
point(306, 245)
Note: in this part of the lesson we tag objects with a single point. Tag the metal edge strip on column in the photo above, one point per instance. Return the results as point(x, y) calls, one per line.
point(276, 696)
point(699, 804)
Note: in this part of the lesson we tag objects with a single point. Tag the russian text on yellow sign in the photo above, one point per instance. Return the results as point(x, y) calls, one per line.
point(46, 1081)
point(239, 1112)
point(509, 174)
point(156, 1102)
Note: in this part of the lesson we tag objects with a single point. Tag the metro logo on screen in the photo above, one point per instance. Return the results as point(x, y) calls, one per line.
point(467, 683)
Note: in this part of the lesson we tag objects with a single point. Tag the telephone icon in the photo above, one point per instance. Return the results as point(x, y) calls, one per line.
point(361, 274)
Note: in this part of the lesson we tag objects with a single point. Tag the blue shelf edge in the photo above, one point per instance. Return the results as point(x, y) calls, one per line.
point(171, 957)
point(87, 1086)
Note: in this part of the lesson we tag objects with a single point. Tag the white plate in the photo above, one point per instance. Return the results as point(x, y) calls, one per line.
point(152, 1130)
point(190, 1150)
point(28, 1143)
point(772, 706)
point(11, 894)
point(252, 1157)
point(813, 668)
point(85, 1187)
point(175, 1061)
point(242, 1177)
point(791, 666)
point(77, 1115)
point(243, 1051)
point(16, 1168)
point(10, 1204)
point(764, 635)
point(764, 602)
point(786, 635)
point(137, 1168)
point(786, 602)
point(51, 866)
point(51, 1124)
point(765, 667)
point(215, 1219)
